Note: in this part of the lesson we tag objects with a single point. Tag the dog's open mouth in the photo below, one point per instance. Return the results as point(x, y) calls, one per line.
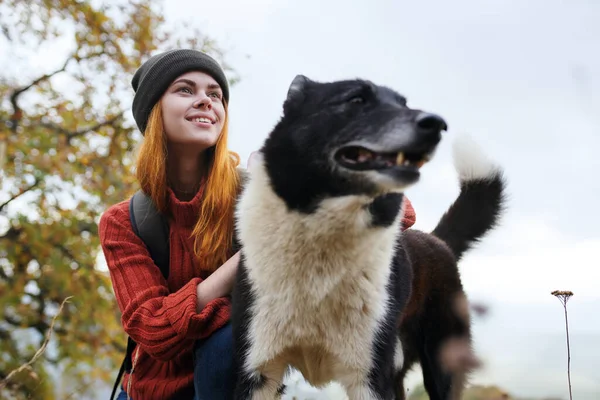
point(362, 159)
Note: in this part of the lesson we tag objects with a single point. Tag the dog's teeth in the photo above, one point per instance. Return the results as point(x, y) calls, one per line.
point(400, 159)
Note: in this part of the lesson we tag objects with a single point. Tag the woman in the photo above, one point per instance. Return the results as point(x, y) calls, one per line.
point(181, 325)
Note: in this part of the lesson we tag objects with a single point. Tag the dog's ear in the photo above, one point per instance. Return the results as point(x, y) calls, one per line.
point(296, 92)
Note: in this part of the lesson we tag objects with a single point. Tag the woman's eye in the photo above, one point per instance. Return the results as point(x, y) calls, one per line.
point(186, 90)
point(216, 95)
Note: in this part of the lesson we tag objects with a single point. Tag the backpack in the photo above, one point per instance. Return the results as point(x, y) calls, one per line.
point(153, 228)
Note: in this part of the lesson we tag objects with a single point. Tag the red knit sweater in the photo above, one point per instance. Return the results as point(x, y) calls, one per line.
point(161, 316)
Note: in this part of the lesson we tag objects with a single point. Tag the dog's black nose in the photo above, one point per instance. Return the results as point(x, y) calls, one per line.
point(430, 123)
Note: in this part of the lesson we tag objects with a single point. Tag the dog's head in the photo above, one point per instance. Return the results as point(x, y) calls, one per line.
point(347, 137)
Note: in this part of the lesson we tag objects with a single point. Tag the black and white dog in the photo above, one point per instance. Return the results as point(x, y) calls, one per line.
point(325, 283)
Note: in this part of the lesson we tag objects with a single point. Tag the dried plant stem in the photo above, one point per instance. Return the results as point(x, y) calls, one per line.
point(568, 352)
point(564, 296)
point(38, 354)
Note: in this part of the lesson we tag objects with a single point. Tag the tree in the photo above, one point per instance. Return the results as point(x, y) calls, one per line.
point(67, 145)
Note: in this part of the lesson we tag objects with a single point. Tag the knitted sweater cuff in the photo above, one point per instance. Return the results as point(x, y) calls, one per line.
point(181, 312)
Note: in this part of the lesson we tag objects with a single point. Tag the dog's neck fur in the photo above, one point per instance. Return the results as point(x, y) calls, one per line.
point(343, 236)
point(346, 219)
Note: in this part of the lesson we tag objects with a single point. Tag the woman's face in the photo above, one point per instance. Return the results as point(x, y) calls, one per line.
point(193, 111)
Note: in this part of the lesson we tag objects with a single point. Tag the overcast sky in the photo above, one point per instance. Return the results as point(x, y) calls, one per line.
point(524, 80)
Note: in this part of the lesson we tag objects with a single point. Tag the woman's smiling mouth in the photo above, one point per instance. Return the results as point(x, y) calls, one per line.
point(201, 120)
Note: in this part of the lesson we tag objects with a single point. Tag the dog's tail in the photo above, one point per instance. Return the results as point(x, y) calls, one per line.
point(481, 200)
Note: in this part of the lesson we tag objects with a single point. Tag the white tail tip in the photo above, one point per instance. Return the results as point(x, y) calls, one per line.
point(470, 161)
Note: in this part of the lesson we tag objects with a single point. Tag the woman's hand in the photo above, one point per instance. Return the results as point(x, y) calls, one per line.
point(219, 283)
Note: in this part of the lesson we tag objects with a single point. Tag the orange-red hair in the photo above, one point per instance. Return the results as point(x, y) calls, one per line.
point(213, 233)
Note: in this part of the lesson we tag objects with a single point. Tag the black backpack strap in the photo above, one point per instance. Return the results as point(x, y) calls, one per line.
point(153, 228)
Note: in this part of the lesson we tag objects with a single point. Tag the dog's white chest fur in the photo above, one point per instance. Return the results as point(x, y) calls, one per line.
point(318, 280)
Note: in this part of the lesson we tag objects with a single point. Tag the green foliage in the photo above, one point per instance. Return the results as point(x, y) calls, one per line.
point(67, 144)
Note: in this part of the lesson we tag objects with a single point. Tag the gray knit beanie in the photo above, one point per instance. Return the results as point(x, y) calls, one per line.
point(154, 77)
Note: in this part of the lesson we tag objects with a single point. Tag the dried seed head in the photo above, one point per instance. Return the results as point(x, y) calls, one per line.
point(562, 295)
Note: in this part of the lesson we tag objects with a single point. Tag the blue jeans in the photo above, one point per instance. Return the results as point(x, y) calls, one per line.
point(213, 367)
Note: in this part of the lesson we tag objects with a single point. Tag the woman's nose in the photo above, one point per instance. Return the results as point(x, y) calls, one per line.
point(203, 101)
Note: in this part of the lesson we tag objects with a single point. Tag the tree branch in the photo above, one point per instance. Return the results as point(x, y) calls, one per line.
point(73, 134)
point(21, 192)
point(41, 309)
point(14, 98)
point(42, 78)
point(38, 353)
point(11, 320)
point(51, 360)
point(3, 275)
point(17, 112)
point(56, 128)
point(66, 252)
point(39, 326)
point(97, 126)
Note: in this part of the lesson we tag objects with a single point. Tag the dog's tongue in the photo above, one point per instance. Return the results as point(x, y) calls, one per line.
point(364, 156)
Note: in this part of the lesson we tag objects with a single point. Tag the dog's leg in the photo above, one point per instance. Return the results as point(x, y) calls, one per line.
point(410, 357)
point(402, 365)
point(436, 381)
point(251, 383)
point(248, 382)
point(381, 379)
point(399, 376)
point(272, 389)
point(441, 381)
point(400, 391)
point(359, 386)
point(446, 356)
point(267, 385)
point(360, 390)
